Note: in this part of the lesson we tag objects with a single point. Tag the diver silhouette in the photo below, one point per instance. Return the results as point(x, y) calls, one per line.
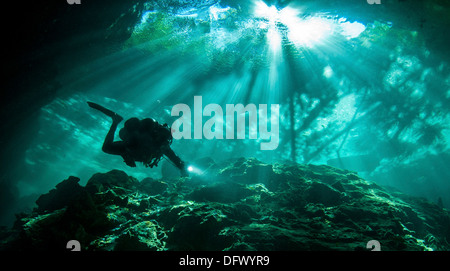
point(144, 141)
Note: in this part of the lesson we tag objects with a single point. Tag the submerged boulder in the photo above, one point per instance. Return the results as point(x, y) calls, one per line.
point(221, 192)
point(152, 187)
point(63, 195)
point(100, 182)
point(239, 204)
point(319, 192)
point(143, 236)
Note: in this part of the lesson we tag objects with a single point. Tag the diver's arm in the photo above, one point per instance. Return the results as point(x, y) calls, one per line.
point(169, 153)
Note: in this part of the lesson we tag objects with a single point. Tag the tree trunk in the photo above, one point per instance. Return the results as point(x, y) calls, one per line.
point(292, 129)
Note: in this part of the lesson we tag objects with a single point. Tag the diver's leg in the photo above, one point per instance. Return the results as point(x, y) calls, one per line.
point(109, 145)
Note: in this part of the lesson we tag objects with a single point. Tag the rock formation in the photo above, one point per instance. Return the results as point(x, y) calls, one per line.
point(240, 204)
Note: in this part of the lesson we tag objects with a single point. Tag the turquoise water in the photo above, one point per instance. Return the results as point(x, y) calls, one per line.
point(365, 90)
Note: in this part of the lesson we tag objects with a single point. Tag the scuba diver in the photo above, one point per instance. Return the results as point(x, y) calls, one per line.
point(143, 141)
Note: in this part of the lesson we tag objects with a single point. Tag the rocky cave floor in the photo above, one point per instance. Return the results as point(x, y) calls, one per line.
point(241, 204)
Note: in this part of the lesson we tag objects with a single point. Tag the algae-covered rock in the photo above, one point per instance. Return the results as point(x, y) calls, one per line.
point(152, 187)
point(143, 236)
point(221, 192)
point(239, 204)
point(64, 193)
point(198, 227)
point(100, 182)
point(322, 193)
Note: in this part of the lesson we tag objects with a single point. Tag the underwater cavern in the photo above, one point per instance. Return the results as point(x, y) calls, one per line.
point(289, 125)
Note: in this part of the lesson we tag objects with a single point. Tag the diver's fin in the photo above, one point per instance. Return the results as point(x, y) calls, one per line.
point(102, 109)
